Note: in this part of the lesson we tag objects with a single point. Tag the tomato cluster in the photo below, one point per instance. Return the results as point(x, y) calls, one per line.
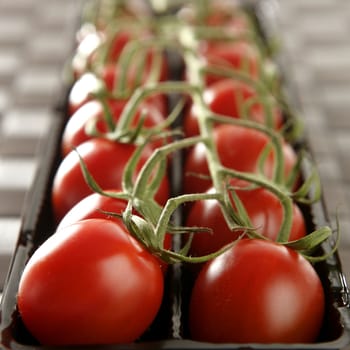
point(100, 278)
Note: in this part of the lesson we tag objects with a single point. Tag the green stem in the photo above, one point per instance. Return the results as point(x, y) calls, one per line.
point(159, 155)
point(285, 200)
point(275, 138)
point(172, 204)
point(142, 92)
point(212, 157)
point(204, 116)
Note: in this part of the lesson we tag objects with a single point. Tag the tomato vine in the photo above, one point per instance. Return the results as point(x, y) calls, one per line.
point(141, 194)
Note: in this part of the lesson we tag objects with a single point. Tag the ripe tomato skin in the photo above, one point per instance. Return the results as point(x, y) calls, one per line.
point(257, 292)
point(236, 25)
point(91, 283)
point(105, 161)
point(238, 148)
point(263, 208)
point(109, 70)
point(119, 42)
point(91, 47)
point(82, 90)
point(75, 130)
point(96, 206)
point(225, 97)
point(88, 84)
point(225, 16)
point(238, 55)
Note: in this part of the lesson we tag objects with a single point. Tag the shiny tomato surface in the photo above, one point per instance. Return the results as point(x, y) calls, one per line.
point(263, 208)
point(90, 283)
point(105, 161)
point(257, 292)
point(234, 99)
point(92, 114)
point(239, 148)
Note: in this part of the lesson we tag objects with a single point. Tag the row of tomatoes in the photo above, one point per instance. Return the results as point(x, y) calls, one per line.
point(100, 277)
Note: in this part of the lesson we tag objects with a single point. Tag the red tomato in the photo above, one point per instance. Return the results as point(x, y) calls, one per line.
point(115, 47)
point(91, 283)
point(82, 91)
point(89, 84)
point(96, 206)
point(257, 292)
point(238, 55)
point(239, 148)
point(226, 97)
point(105, 161)
point(225, 15)
point(111, 73)
point(263, 208)
point(75, 130)
point(102, 47)
point(108, 71)
point(234, 23)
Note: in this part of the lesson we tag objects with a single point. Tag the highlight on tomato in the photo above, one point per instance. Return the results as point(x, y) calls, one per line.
point(92, 116)
point(90, 283)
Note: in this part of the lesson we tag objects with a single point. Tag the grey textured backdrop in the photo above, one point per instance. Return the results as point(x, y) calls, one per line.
point(316, 39)
point(36, 37)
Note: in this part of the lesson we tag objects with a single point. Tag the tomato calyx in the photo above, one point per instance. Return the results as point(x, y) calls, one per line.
point(133, 125)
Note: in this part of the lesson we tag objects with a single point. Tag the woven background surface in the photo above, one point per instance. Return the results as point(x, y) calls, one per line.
point(36, 37)
point(35, 40)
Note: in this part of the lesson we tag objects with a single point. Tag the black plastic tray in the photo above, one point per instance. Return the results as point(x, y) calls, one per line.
point(167, 332)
